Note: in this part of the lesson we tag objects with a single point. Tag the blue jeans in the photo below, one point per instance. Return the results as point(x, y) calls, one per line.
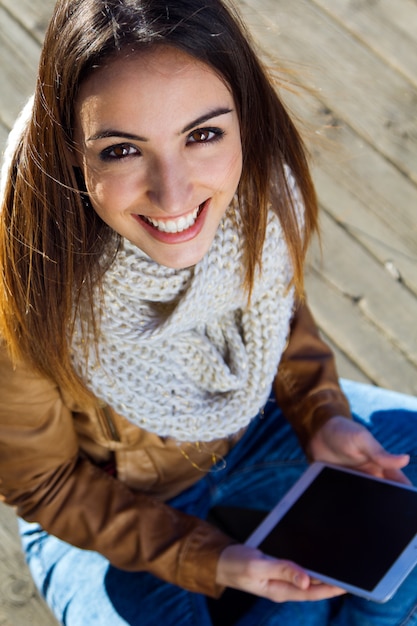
point(83, 589)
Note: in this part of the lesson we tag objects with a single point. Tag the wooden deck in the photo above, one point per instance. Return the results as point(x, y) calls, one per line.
point(359, 60)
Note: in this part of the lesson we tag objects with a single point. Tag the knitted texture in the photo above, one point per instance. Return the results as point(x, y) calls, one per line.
point(181, 353)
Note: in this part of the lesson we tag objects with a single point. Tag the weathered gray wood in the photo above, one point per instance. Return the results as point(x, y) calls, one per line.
point(3, 137)
point(375, 100)
point(363, 190)
point(357, 338)
point(20, 603)
point(388, 28)
point(345, 366)
point(18, 63)
point(360, 277)
point(32, 14)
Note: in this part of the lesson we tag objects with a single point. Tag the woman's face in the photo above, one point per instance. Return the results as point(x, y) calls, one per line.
point(159, 146)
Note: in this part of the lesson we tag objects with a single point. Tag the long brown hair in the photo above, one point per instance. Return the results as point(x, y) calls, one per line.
point(53, 246)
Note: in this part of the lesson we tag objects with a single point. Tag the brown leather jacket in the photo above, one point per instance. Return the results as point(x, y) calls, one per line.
point(53, 456)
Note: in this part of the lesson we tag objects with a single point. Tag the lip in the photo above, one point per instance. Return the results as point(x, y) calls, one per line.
point(173, 238)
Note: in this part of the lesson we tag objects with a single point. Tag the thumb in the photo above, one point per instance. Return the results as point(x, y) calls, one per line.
point(371, 448)
point(391, 461)
point(287, 571)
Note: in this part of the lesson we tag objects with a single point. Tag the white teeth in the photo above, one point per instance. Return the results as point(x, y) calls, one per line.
point(175, 226)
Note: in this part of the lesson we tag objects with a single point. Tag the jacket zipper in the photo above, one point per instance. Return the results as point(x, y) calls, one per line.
point(110, 426)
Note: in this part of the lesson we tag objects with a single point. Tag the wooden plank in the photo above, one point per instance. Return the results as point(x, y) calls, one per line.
point(351, 212)
point(357, 338)
point(383, 301)
point(377, 102)
point(3, 137)
point(345, 366)
point(33, 15)
point(361, 189)
point(389, 29)
point(18, 64)
point(20, 603)
point(358, 167)
point(357, 274)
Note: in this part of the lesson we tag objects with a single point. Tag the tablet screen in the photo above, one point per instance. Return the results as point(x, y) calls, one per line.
point(343, 522)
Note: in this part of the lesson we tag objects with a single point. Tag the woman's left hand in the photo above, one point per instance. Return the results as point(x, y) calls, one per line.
point(344, 442)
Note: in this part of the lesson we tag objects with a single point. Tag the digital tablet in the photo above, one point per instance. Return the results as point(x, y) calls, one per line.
point(345, 528)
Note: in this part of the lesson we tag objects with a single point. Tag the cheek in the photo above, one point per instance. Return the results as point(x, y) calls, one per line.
point(233, 169)
point(237, 164)
point(226, 170)
point(108, 193)
point(235, 158)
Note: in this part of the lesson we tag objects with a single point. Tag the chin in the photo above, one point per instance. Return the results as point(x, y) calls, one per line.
point(179, 264)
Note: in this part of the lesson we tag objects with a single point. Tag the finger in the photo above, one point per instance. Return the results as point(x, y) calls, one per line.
point(291, 582)
point(391, 461)
point(279, 591)
point(372, 449)
point(287, 572)
point(322, 592)
point(397, 476)
point(386, 470)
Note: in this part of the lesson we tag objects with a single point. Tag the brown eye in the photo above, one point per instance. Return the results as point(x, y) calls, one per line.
point(121, 151)
point(200, 135)
point(118, 152)
point(205, 135)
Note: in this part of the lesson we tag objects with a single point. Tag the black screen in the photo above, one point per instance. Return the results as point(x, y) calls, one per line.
point(346, 527)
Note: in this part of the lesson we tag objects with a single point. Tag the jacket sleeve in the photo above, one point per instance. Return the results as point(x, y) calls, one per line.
point(306, 386)
point(43, 475)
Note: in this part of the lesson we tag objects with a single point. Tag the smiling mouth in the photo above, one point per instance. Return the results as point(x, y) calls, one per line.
point(175, 226)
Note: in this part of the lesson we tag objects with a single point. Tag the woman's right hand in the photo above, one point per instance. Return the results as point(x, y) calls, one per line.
point(248, 569)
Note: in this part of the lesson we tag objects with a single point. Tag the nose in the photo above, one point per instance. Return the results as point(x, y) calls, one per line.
point(171, 185)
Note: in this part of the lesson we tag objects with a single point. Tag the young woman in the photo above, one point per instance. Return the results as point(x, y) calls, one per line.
point(156, 210)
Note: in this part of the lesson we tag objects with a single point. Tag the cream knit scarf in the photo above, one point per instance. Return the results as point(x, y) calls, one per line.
point(181, 353)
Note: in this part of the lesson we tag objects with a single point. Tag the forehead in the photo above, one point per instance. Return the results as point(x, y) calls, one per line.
point(152, 81)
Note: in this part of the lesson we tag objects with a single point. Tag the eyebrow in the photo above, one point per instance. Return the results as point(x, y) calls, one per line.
point(105, 134)
point(205, 118)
